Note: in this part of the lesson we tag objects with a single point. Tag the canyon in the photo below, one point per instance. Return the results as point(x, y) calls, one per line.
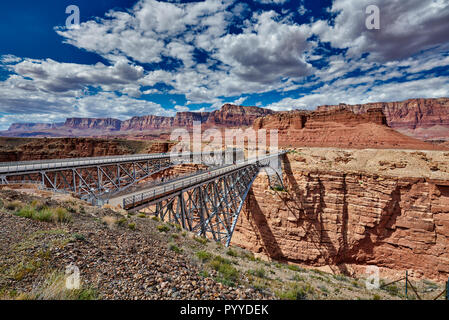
point(343, 210)
point(424, 119)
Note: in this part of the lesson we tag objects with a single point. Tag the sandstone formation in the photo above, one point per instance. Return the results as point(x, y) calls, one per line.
point(93, 123)
point(421, 118)
point(338, 127)
point(349, 219)
point(228, 116)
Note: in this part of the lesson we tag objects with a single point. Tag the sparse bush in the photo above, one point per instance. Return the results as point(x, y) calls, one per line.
point(45, 214)
point(278, 188)
point(228, 274)
point(163, 228)
point(204, 274)
point(62, 215)
point(132, 226)
point(340, 277)
point(142, 215)
point(260, 272)
point(155, 218)
point(173, 247)
point(296, 292)
point(232, 253)
point(376, 297)
point(295, 268)
point(201, 240)
point(79, 237)
point(122, 222)
point(203, 255)
point(54, 288)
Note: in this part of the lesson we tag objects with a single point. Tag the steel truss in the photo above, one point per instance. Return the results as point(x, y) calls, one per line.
point(210, 209)
point(92, 182)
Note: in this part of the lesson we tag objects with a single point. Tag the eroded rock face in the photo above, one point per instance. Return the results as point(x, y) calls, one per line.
point(338, 127)
point(228, 116)
point(415, 116)
point(93, 123)
point(350, 220)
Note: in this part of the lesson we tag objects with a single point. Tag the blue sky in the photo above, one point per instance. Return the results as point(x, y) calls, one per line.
point(129, 58)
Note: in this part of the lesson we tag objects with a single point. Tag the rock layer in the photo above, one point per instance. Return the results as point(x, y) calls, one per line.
point(228, 116)
point(350, 220)
point(422, 118)
point(338, 127)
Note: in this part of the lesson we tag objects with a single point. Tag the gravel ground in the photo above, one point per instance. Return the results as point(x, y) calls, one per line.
point(119, 262)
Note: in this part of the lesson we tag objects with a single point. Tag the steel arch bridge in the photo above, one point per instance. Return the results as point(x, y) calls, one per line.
point(208, 204)
point(93, 178)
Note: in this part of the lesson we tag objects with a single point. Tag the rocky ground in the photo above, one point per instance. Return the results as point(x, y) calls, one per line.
point(138, 257)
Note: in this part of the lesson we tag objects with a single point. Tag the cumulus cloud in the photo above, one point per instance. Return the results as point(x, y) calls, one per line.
point(218, 50)
point(406, 27)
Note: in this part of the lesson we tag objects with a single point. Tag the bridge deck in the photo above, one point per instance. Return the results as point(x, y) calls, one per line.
point(147, 195)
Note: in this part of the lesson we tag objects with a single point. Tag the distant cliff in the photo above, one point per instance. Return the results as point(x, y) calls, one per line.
point(421, 118)
point(228, 116)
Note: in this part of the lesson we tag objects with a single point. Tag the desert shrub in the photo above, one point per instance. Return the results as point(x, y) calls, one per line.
point(296, 292)
point(163, 228)
point(79, 237)
point(155, 218)
point(295, 268)
point(122, 222)
point(203, 255)
point(232, 253)
point(173, 247)
point(142, 215)
point(259, 272)
point(62, 215)
point(45, 214)
point(229, 275)
point(132, 226)
point(201, 240)
point(54, 288)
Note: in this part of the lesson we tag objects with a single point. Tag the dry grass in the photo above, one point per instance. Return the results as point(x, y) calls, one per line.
point(110, 221)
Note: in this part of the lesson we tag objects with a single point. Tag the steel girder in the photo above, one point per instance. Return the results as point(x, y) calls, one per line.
point(210, 209)
point(92, 182)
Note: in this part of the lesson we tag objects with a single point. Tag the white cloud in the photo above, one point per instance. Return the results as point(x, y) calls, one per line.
point(406, 27)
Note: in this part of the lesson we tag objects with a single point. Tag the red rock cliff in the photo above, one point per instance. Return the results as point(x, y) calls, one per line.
point(338, 127)
point(411, 114)
point(348, 221)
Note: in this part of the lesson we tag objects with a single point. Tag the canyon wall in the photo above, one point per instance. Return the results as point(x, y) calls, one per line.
point(422, 118)
point(350, 220)
point(228, 116)
point(338, 127)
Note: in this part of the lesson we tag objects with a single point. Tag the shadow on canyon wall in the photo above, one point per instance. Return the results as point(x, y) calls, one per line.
point(309, 218)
